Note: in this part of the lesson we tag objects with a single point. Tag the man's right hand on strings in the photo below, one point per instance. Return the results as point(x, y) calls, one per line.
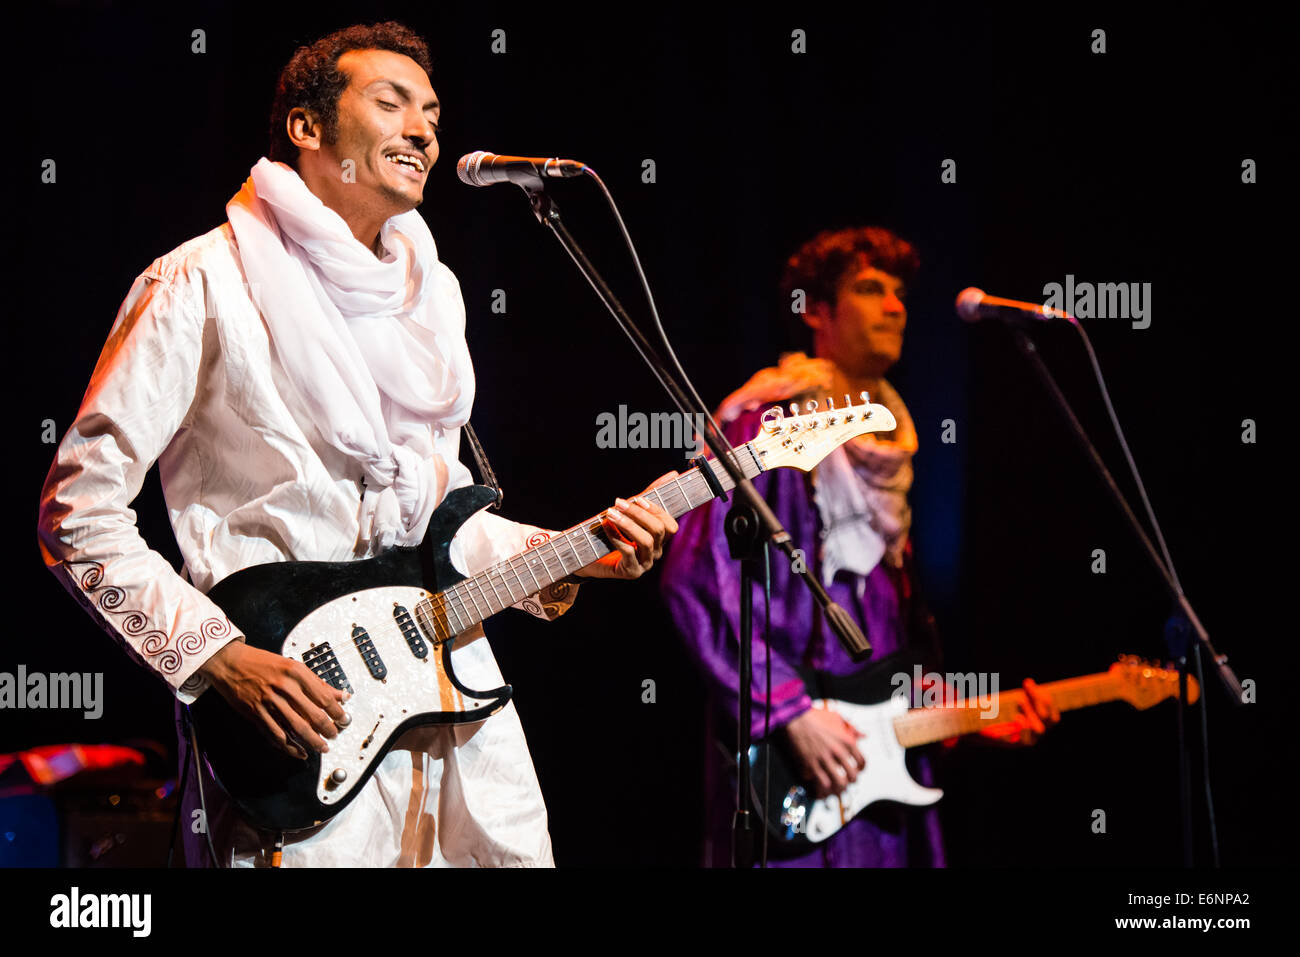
point(826, 747)
point(281, 696)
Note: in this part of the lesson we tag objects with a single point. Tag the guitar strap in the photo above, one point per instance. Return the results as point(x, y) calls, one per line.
point(485, 473)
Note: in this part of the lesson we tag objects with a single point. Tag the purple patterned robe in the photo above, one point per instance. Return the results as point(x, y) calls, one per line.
point(701, 585)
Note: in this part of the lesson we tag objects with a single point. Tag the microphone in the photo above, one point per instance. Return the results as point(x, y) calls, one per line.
point(974, 304)
point(481, 168)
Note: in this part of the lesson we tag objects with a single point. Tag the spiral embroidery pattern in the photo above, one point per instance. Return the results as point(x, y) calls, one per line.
point(111, 597)
point(552, 601)
point(538, 538)
point(215, 628)
point(193, 684)
point(154, 642)
point(135, 623)
point(190, 643)
point(92, 577)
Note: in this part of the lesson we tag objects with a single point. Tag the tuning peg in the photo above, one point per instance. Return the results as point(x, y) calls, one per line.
point(811, 407)
point(794, 411)
point(866, 399)
point(772, 420)
point(832, 418)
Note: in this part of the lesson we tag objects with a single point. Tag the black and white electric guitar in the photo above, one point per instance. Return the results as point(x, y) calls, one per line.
point(386, 628)
point(887, 729)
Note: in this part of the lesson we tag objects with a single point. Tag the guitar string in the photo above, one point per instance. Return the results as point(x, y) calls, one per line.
point(690, 482)
point(571, 537)
point(581, 533)
point(684, 486)
point(453, 598)
point(1068, 694)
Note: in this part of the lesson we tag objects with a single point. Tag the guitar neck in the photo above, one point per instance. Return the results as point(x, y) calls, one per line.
point(926, 725)
point(465, 604)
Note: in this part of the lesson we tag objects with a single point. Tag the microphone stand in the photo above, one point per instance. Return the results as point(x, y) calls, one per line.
point(748, 523)
point(1183, 622)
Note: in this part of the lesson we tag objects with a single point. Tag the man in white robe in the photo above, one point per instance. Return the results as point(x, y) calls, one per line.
point(300, 376)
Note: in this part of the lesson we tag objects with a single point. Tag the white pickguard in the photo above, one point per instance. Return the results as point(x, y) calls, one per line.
point(885, 778)
point(412, 686)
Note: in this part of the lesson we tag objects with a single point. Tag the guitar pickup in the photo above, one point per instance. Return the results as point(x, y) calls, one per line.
point(410, 632)
point(320, 659)
point(361, 638)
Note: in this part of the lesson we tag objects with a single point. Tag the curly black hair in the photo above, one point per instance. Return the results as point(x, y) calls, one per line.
point(312, 78)
point(822, 262)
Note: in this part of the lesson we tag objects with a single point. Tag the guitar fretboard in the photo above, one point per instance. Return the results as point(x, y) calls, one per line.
point(926, 725)
point(465, 604)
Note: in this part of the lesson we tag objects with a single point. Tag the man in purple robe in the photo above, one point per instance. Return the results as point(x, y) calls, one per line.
point(850, 518)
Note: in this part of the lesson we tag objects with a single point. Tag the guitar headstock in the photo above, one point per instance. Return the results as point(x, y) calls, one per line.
point(1145, 684)
point(802, 439)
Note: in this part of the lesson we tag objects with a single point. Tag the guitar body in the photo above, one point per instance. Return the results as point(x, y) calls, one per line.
point(795, 819)
point(887, 727)
point(355, 626)
point(802, 822)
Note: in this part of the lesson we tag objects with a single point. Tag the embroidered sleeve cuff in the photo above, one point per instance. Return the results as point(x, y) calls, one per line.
point(192, 680)
point(165, 641)
point(552, 601)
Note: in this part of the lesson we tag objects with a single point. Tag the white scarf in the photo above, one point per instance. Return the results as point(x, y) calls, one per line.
point(861, 492)
point(375, 349)
point(860, 488)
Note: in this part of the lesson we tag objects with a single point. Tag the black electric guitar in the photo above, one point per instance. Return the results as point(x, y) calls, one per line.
point(386, 628)
point(887, 729)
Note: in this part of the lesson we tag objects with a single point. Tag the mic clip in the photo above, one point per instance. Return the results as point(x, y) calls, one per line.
point(710, 479)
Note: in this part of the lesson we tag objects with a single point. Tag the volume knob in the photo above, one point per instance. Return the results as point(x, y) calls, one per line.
point(339, 775)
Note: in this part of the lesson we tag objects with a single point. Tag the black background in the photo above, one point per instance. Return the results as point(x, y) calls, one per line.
point(1122, 167)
